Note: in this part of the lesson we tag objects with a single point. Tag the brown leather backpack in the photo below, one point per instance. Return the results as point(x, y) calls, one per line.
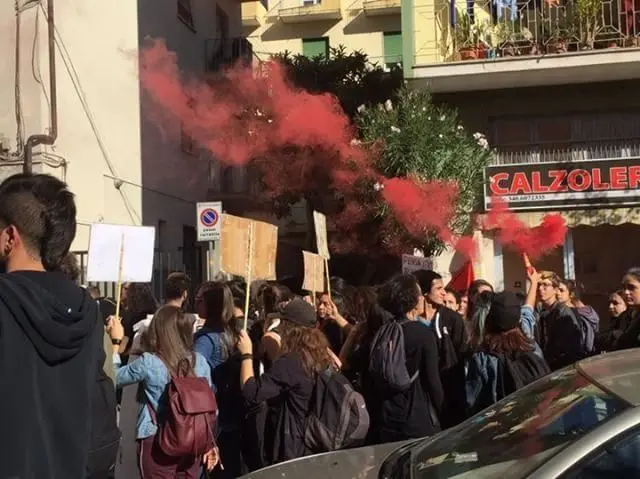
point(188, 424)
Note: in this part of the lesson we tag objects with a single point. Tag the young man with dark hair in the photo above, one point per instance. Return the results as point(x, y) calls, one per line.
point(51, 351)
point(452, 345)
point(176, 289)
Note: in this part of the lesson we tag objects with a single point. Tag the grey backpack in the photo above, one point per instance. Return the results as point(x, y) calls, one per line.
point(388, 360)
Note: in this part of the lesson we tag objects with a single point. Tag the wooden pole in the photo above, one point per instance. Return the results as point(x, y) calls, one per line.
point(326, 270)
point(119, 284)
point(249, 274)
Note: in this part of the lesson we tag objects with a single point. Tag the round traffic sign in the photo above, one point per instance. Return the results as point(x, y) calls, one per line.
point(209, 217)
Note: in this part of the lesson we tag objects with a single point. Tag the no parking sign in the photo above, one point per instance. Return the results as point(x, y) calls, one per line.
point(209, 221)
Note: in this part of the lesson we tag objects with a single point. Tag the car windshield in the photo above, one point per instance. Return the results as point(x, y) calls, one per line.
point(519, 433)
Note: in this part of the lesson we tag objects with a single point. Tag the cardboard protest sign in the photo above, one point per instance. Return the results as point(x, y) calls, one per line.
point(248, 248)
point(320, 224)
point(120, 253)
point(313, 272)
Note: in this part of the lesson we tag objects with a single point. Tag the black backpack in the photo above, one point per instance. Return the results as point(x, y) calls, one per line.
point(338, 417)
point(522, 369)
point(388, 360)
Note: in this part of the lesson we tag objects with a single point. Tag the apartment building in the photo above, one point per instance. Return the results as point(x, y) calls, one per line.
point(553, 85)
point(120, 166)
point(311, 27)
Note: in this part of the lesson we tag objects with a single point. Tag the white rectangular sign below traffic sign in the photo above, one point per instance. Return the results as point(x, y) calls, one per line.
point(209, 221)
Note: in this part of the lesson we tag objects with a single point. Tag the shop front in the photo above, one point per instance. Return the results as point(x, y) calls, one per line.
point(600, 202)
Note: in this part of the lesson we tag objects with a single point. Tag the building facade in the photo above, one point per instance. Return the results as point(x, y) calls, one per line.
point(311, 27)
point(552, 85)
point(120, 166)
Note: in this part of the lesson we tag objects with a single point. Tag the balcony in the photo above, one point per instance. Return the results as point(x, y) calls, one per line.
point(388, 63)
point(381, 7)
point(253, 14)
point(494, 44)
point(222, 52)
point(302, 11)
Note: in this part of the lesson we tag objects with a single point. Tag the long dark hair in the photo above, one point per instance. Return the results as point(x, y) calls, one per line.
point(170, 337)
point(140, 299)
point(218, 304)
point(508, 342)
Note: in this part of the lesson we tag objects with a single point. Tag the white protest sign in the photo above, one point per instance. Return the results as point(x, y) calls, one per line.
point(320, 224)
point(108, 243)
point(412, 263)
point(208, 219)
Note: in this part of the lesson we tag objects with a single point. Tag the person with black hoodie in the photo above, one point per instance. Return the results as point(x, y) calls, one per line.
point(51, 349)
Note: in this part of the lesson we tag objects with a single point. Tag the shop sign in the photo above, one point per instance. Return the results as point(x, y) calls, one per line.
point(591, 183)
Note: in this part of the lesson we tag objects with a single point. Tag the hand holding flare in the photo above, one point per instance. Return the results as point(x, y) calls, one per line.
point(527, 264)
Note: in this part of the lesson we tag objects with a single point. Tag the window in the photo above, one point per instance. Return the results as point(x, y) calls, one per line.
point(314, 47)
point(185, 13)
point(618, 459)
point(392, 47)
point(187, 143)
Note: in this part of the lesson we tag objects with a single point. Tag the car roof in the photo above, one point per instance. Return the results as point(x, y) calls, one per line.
point(618, 373)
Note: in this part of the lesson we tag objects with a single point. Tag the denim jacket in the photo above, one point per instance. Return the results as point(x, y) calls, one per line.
point(149, 370)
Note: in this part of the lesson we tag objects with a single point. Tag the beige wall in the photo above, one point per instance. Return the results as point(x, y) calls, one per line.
point(356, 31)
point(98, 51)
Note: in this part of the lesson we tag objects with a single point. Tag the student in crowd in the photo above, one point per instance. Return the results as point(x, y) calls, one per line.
point(560, 332)
point(450, 332)
point(413, 412)
point(176, 289)
point(630, 337)
point(452, 299)
point(51, 348)
point(289, 382)
point(505, 360)
point(216, 342)
point(619, 318)
point(166, 346)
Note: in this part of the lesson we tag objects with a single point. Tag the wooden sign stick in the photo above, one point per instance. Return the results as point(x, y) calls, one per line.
point(326, 270)
point(249, 273)
point(119, 283)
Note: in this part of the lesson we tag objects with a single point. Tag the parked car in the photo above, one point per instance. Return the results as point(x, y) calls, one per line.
point(580, 422)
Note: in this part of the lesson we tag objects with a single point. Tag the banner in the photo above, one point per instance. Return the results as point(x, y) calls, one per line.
point(590, 183)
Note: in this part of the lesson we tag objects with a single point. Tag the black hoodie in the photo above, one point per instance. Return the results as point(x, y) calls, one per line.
point(50, 354)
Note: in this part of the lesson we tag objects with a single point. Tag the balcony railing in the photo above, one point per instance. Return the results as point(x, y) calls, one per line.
point(492, 29)
point(290, 11)
point(388, 63)
point(221, 52)
point(578, 152)
point(381, 7)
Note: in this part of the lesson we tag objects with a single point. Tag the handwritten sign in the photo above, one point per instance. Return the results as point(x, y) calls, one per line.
point(242, 239)
point(313, 272)
point(320, 224)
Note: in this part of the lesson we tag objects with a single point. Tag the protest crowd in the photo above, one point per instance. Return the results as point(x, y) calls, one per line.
point(219, 394)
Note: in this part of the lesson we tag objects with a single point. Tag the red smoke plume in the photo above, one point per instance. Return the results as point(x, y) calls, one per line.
point(301, 143)
point(513, 233)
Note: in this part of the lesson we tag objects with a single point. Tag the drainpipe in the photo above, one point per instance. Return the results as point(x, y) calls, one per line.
point(46, 139)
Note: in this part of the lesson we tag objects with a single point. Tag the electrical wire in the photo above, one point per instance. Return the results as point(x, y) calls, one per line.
point(20, 127)
point(75, 80)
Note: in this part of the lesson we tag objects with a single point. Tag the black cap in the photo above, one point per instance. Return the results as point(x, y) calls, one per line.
point(300, 313)
point(504, 314)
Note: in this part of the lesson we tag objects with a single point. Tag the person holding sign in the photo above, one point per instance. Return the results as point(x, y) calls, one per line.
point(51, 338)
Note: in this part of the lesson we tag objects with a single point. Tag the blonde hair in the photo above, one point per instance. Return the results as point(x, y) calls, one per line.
point(552, 277)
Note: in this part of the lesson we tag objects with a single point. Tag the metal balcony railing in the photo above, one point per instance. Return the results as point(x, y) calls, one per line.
point(221, 52)
point(578, 152)
point(482, 29)
point(309, 9)
point(388, 62)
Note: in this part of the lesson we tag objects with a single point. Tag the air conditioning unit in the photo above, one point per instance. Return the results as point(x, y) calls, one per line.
point(310, 3)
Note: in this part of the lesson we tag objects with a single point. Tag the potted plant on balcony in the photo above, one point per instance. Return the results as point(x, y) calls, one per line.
point(471, 37)
point(587, 19)
point(513, 39)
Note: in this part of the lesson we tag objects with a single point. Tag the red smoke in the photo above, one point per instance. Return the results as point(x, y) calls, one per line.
point(513, 233)
point(300, 143)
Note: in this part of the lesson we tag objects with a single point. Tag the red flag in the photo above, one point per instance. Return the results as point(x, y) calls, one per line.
point(462, 279)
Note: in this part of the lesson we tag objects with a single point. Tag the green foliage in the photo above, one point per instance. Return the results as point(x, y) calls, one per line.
point(351, 77)
point(418, 138)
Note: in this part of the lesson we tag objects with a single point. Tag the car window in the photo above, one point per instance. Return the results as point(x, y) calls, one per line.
point(519, 433)
point(618, 458)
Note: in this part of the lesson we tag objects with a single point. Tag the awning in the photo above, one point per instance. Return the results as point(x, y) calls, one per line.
point(590, 217)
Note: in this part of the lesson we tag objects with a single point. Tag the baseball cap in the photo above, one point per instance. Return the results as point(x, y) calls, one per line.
point(299, 312)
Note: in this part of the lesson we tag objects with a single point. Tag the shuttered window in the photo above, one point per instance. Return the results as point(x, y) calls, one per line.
point(313, 47)
point(392, 47)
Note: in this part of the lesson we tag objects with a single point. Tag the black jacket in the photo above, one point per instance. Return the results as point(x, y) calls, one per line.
point(561, 336)
point(50, 356)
